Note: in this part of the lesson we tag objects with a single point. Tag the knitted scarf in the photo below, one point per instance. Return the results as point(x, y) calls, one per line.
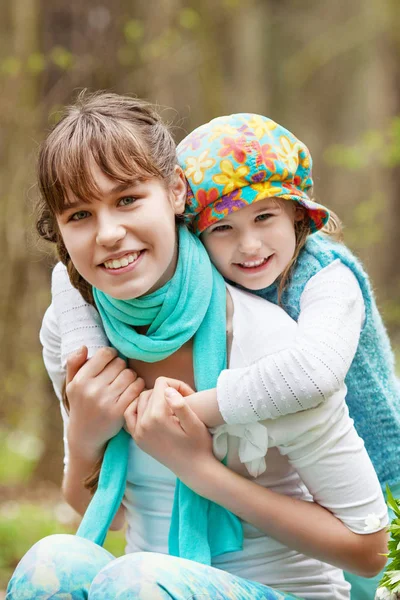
point(191, 305)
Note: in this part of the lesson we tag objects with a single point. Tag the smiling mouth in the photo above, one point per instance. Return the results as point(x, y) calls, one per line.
point(250, 264)
point(122, 262)
point(253, 265)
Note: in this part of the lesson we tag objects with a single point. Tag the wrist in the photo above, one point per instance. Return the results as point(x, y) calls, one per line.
point(205, 405)
point(84, 450)
point(203, 477)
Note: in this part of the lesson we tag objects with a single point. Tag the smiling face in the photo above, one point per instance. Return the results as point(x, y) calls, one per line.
point(254, 245)
point(124, 242)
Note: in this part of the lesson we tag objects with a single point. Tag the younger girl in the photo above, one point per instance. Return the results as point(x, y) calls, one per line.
point(248, 181)
point(111, 192)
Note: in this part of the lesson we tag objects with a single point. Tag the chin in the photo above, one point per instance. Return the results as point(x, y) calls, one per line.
point(256, 286)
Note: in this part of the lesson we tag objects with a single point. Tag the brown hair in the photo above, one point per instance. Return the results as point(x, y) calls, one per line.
point(125, 137)
point(302, 228)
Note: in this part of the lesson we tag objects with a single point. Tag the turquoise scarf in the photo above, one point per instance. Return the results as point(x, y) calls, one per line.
point(191, 305)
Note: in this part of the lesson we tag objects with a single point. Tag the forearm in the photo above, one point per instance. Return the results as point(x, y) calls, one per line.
point(79, 468)
point(298, 368)
point(205, 405)
point(302, 526)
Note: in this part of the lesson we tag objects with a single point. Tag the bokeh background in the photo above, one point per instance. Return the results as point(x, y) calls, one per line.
point(328, 71)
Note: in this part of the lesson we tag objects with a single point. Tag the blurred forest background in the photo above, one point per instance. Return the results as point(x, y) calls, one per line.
point(329, 71)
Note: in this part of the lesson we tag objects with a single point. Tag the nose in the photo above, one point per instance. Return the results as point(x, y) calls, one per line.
point(249, 243)
point(109, 231)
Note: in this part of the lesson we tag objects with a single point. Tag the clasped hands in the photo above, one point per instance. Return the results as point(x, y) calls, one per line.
point(104, 395)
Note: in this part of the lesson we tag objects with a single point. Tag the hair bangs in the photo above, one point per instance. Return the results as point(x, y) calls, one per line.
point(66, 165)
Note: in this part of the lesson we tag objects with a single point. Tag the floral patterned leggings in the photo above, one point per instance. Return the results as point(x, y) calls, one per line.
point(66, 567)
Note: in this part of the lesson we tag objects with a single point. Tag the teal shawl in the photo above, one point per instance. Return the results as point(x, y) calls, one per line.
point(191, 305)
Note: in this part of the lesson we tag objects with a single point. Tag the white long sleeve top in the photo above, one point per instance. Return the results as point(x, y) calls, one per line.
point(313, 367)
point(315, 454)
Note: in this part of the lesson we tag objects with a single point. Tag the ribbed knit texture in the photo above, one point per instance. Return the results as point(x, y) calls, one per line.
point(373, 395)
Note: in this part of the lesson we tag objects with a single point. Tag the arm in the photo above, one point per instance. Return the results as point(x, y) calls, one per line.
point(302, 526)
point(180, 441)
point(308, 370)
point(98, 391)
point(68, 323)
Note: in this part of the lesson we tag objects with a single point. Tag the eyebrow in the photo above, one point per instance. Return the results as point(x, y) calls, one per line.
point(121, 187)
point(270, 207)
point(117, 189)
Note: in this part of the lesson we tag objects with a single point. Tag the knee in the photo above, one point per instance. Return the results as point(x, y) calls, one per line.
point(55, 563)
point(144, 575)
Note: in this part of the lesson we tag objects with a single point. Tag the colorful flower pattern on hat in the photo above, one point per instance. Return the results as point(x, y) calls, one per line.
point(236, 160)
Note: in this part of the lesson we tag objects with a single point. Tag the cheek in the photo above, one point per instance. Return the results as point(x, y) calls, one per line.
point(218, 251)
point(285, 235)
point(77, 248)
point(211, 245)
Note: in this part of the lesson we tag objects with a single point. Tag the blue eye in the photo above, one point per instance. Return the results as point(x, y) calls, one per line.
point(127, 201)
point(78, 216)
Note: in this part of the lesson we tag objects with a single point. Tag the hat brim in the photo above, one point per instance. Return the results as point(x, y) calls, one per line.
point(225, 205)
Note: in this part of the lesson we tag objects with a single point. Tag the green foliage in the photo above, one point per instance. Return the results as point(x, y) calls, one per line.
point(36, 63)
point(160, 47)
point(374, 147)
point(391, 577)
point(23, 524)
point(189, 18)
point(115, 543)
point(11, 66)
point(372, 157)
point(62, 58)
point(19, 453)
point(133, 30)
point(366, 228)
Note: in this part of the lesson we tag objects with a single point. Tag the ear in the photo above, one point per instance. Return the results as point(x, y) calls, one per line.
point(299, 212)
point(178, 191)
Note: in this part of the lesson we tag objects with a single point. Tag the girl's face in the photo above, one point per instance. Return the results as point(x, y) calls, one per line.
point(124, 243)
point(254, 245)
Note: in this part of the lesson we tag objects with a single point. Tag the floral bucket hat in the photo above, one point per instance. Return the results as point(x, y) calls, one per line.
point(239, 159)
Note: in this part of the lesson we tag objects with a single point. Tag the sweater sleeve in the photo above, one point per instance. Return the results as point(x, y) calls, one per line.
point(310, 369)
point(79, 323)
point(68, 323)
point(51, 342)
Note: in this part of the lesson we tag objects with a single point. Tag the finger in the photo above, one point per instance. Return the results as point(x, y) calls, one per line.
point(143, 403)
point(158, 406)
point(130, 416)
point(131, 394)
point(97, 363)
point(180, 386)
point(114, 369)
point(188, 420)
point(74, 362)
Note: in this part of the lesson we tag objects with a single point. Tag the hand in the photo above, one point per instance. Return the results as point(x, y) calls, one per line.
point(204, 404)
point(163, 425)
point(98, 390)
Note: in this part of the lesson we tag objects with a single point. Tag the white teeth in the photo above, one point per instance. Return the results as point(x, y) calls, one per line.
point(253, 263)
point(122, 262)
